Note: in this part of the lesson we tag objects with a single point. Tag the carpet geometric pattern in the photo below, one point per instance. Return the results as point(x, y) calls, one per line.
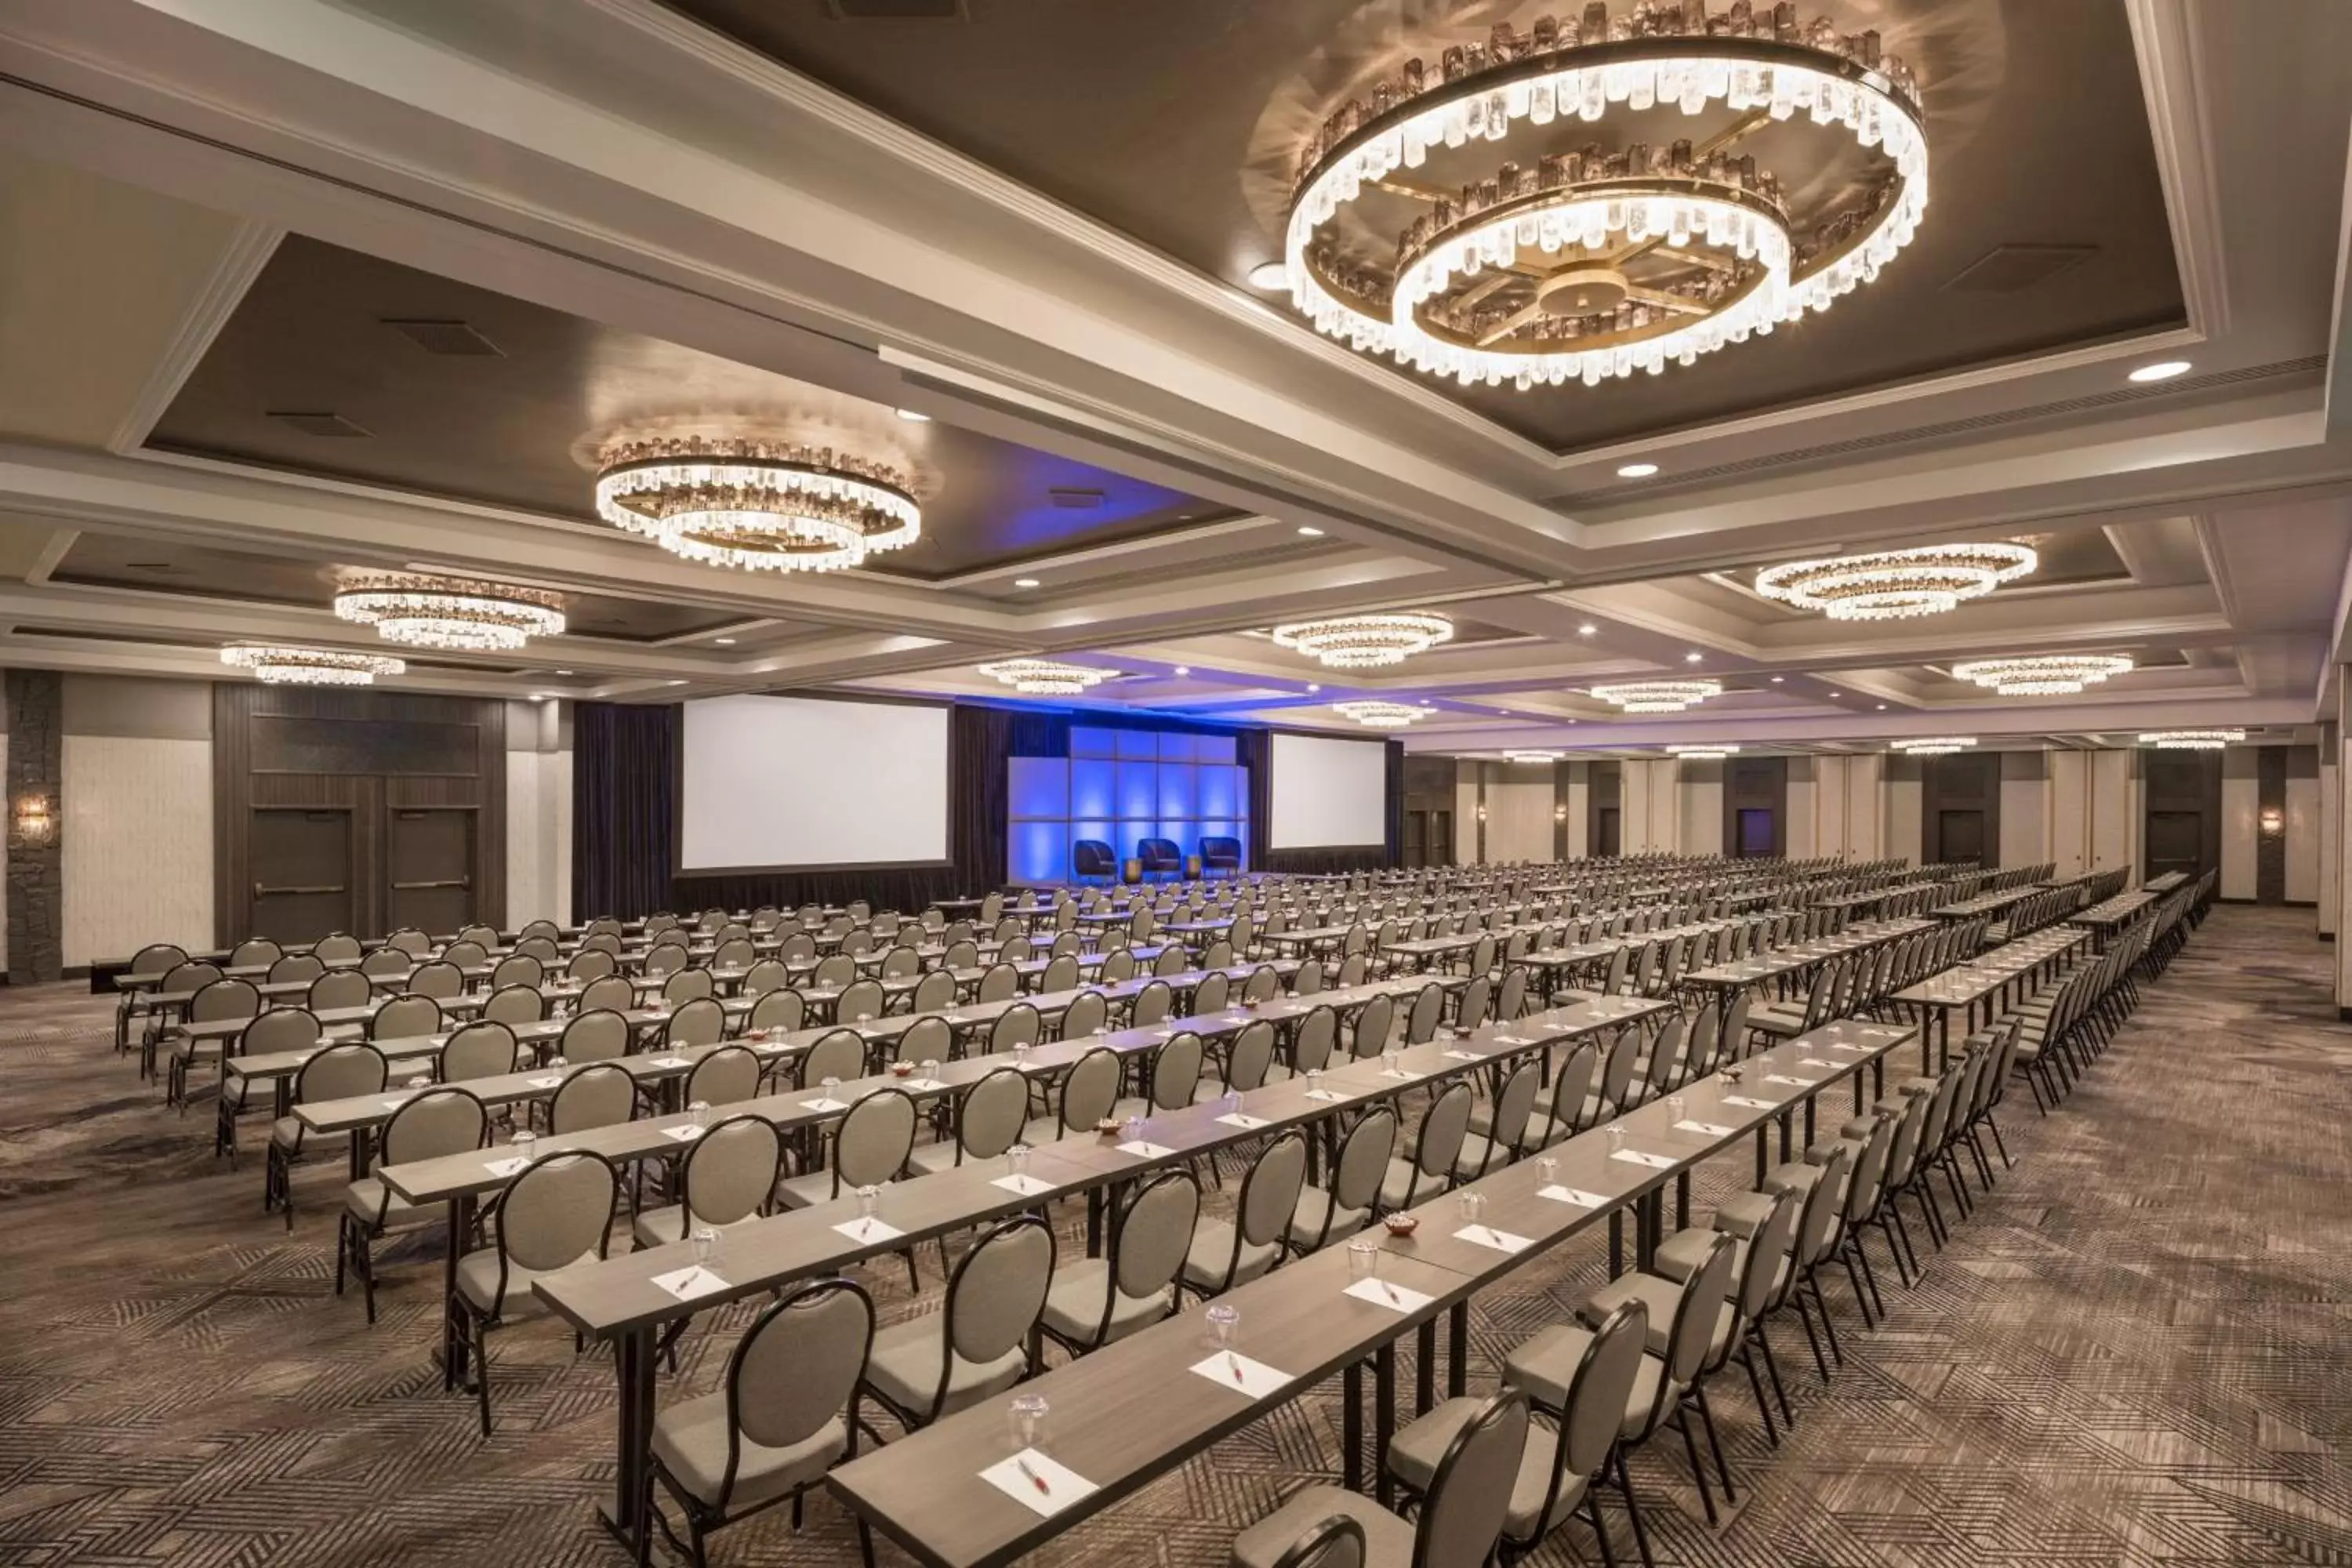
point(2137, 1351)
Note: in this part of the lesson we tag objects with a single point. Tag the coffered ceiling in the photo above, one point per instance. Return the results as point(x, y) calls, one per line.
point(1029, 222)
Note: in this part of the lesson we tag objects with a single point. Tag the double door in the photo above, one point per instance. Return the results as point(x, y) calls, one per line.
point(367, 866)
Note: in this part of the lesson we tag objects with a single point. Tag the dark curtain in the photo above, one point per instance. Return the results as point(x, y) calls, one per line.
point(1395, 803)
point(1315, 862)
point(981, 741)
point(623, 808)
point(1256, 752)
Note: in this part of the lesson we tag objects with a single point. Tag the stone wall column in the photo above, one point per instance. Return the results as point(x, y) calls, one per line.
point(36, 882)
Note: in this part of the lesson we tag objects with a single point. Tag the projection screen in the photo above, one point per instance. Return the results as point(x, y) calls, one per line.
point(1329, 794)
point(794, 783)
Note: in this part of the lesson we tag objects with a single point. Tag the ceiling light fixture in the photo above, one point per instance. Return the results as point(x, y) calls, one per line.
point(1934, 745)
point(1046, 677)
point(1379, 715)
point(1701, 753)
point(724, 642)
point(1637, 470)
point(1587, 629)
point(1557, 265)
point(1778, 679)
point(912, 417)
point(1308, 530)
point(2163, 370)
point(1884, 585)
point(1026, 583)
point(1365, 642)
point(1530, 758)
point(274, 666)
point(2190, 739)
point(1269, 275)
point(756, 505)
point(1184, 669)
point(451, 613)
point(1658, 696)
point(2043, 675)
point(1694, 656)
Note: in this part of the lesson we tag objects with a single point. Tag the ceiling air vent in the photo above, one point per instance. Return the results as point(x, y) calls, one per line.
point(332, 425)
point(2014, 268)
point(896, 10)
point(1076, 499)
point(454, 338)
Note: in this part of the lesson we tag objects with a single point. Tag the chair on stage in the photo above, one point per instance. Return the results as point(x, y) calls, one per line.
point(1160, 858)
point(1221, 855)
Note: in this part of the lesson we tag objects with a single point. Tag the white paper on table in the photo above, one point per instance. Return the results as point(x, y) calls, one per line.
point(1815, 1062)
point(1799, 1082)
point(1849, 1050)
point(393, 1102)
point(1243, 1120)
point(921, 1085)
point(1144, 1148)
point(1325, 1094)
point(1250, 1379)
point(1641, 1157)
point(1705, 1128)
point(825, 1102)
point(665, 1062)
point(685, 1134)
point(1024, 1185)
point(1576, 1195)
point(686, 1284)
point(1487, 1236)
point(1511, 1040)
point(506, 1167)
point(546, 1080)
point(1457, 1055)
point(1742, 1099)
point(869, 1230)
point(1061, 1486)
point(1395, 1297)
point(1405, 1073)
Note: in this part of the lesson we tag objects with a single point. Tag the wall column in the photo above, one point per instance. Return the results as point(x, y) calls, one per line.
point(2331, 831)
point(36, 700)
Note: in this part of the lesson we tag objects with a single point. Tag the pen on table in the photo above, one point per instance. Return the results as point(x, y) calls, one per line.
point(1237, 1369)
point(1035, 1478)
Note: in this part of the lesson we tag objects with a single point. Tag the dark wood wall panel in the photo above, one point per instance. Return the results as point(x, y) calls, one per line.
point(365, 752)
point(1965, 782)
point(1756, 783)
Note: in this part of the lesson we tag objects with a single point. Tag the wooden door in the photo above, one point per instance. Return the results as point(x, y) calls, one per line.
point(2175, 841)
point(1416, 838)
point(428, 860)
point(1760, 831)
point(1960, 837)
point(304, 876)
point(1605, 833)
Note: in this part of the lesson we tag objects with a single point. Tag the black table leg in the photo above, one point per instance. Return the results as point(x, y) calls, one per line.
point(453, 1338)
point(1424, 1370)
point(1681, 1200)
point(1094, 1221)
point(1645, 1230)
point(1351, 1427)
point(1457, 1366)
point(1787, 1132)
point(633, 1360)
point(1616, 1243)
point(1384, 1421)
point(1761, 1155)
point(1809, 1121)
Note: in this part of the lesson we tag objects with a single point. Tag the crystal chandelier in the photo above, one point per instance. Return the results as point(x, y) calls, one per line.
point(1361, 642)
point(1046, 677)
point(2045, 675)
point(1659, 695)
point(1934, 745)
point(2190, 739)
point(450, 612)
point(1701, 753)
point(1381, 715)
point(275, 666)
point(756, 505)
point(1530, 758)
point(1540, 256)
point(1888, 583)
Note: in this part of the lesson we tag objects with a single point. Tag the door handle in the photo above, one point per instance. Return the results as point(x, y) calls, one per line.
point(260, 891)
point(420, 886)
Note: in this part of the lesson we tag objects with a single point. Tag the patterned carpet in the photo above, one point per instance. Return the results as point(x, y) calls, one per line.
point(2139, 1352)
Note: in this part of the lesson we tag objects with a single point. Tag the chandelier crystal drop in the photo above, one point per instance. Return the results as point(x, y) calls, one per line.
point(1701, 753)
point(1367, 641)
point(450, 612)
point(2191, 740)
point(1565, 234)
point(1046, 677)
point(276, 665)
point(1935, 745)
point(1381, 715)
point(756, 505)
point(1885, 585)
point(2043, 675)
point(1658, 696)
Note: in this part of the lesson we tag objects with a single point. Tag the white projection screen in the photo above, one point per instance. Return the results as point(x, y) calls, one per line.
point(794, 783)
point(1329, 794)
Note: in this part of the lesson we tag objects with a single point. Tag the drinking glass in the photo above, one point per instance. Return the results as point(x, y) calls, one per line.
point(1027, 1413)
point(526, 1142)
point(1389, 1060)
point(1314, 1080)
point(1363, 1260)
point(1224, 1317)
point(1616, 1136)
point(828, 1086)
point(1674, 1104)
point(1548, 1168)
point(705, 1239)
point(1016, 1160)
point(558, 1063)
point(700, 1113)
point(1472, 1205)
point(1133, 1128)
point(869, 1198)
point(420, 1081)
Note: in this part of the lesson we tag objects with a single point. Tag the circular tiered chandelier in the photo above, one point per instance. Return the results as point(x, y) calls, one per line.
point(2043, 675)
point(1935, 745)
point(450, 612)
point(1658, 696)
point(1701, 753)
point(756, 505)
point(1887, 583)
point(2191, 740)
point(1381, 715)
point(1046, 677)
point(275, 665)
point(1363, 641)
point(1541, 257)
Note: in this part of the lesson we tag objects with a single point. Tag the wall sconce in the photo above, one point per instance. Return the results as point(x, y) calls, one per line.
point(1481, 814)
point(2274, 821)
point(1560, 814)
point(33, 819)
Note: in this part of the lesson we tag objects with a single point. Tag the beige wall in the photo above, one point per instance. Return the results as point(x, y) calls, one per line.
point(136, 855)
point(539, 813)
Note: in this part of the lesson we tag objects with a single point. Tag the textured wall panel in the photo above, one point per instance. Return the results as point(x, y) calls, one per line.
point(138, 845)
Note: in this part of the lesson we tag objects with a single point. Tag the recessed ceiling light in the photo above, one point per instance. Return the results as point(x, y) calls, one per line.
point(673, 683)
point(1587, 629)
point(2163, 370)
point(1269, 275)
point(1637, 470)
point(1312, 687)
point(1024, 581)
point(911, 417)
point(539, 697)
point(1308, 530)
point(724, 642)
point(563, 672)
point(1184, 669)
point(1775, 680)
point(1837, 693)
point(1692, 657)
point(1882, 708)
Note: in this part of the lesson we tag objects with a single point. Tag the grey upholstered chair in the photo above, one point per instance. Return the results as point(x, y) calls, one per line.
point(512, 1004)
point(476, 1051)
point(1322, 1216)
point(1096, 1301)
point(279, 1030)
point(989, 1118)
point(982, 1342)
point(1436, 1148)
point(595, 1094)
point(594, 1034)
point(338, 1072)
point(555, 1213)
point(1224, 1255)
point(727, 1076)
point(437, 1123)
